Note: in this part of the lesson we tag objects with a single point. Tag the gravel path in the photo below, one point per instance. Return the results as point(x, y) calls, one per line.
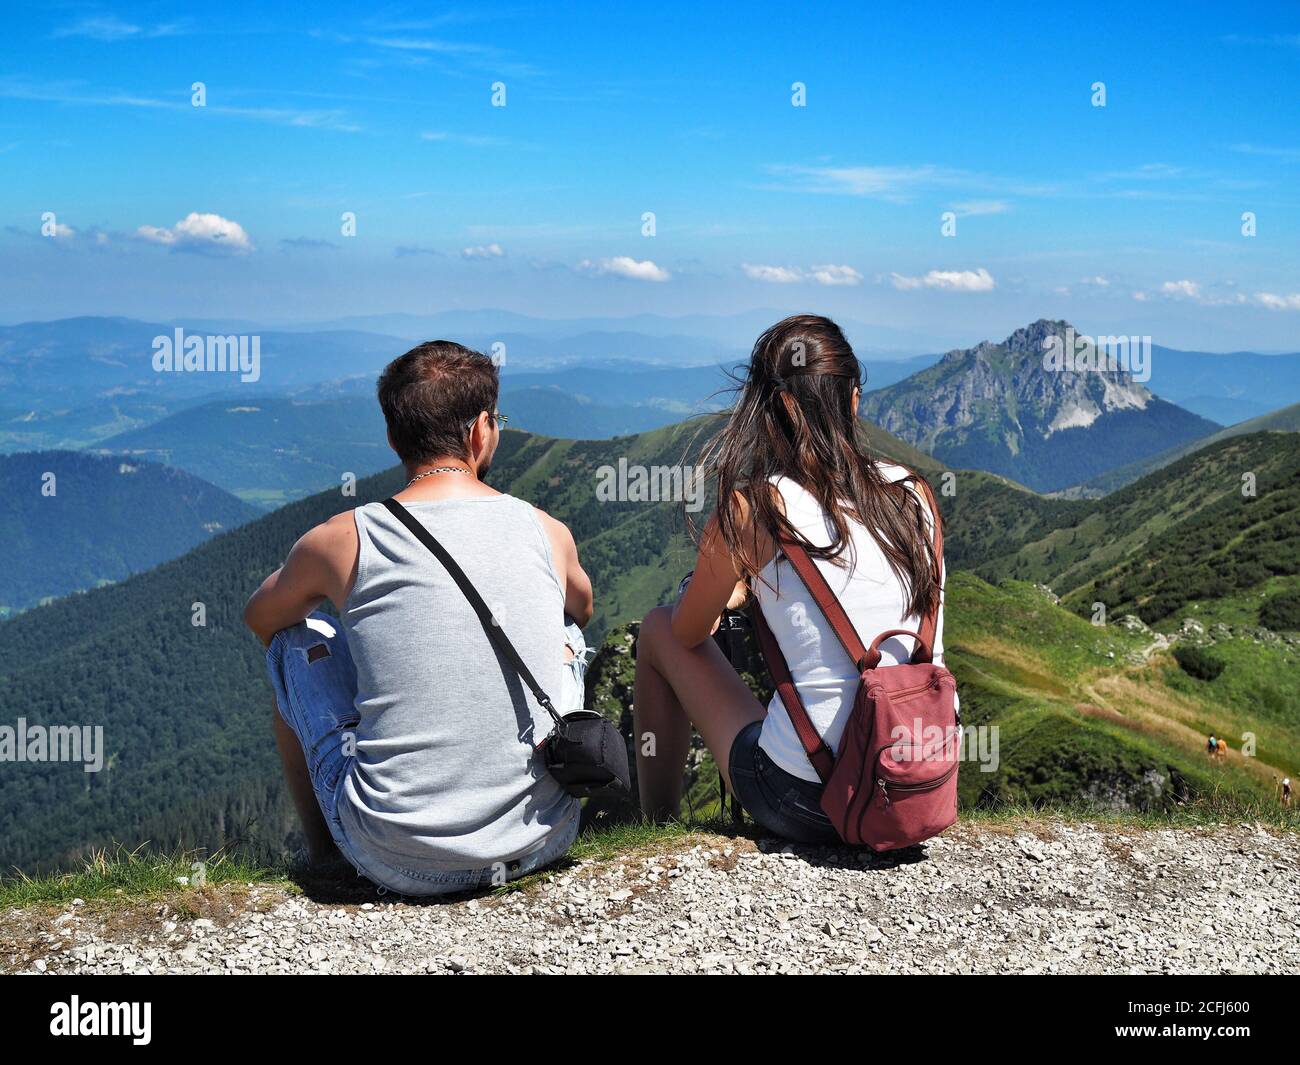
point(1027, 898)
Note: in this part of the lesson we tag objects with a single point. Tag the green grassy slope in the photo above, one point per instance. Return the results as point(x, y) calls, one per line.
point(1232, 545)
point(1082, 718)
point(1065, 714)
point(1087, 539)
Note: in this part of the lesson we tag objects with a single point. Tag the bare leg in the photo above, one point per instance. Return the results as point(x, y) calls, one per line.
point(320, 844)
point(675, 688)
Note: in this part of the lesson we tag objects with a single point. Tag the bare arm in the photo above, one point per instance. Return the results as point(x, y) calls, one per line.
point(321, 565)
point(579, 601)
point(715, 584)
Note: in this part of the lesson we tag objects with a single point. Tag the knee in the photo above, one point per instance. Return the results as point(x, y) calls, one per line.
point(658, 622)
point(656, 627)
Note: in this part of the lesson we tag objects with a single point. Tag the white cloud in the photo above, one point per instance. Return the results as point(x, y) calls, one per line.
point(1275, 302)
point(483, 251)
point(1141, 297)
point(1189, 289)
point(836, 275)
point(63, 232)
point(18, 89)
point(978, 207)
point(1099, 281)
point(626, 266)
point(893, 183)
point(474, 140)
point(777, 275)
point(947, 280)
point(111, 28)
point(426, 44)
point(1267, 150)
point(200, 232)
point(827, 274)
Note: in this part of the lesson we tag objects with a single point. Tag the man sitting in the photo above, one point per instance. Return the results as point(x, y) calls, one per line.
point(407, 741)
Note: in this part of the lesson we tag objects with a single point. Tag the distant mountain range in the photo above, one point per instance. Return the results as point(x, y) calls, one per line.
point(85, 382)
point(678, 339)
point(996, 407)
point(1225, 388)
point(72, 521)
point(270, 450)
point(65, 364)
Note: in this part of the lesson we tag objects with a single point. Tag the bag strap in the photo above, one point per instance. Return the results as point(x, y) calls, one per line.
point(826, 602)
point(490, 624)
point(864, 658)
point(819, 754)
point(930, 623)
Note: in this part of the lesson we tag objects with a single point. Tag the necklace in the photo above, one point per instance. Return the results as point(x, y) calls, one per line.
point(436, 469)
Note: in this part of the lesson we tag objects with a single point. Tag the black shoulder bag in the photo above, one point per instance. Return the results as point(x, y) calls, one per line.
point(585, 753)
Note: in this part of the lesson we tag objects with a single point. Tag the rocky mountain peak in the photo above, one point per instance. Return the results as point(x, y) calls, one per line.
point(1029, 339)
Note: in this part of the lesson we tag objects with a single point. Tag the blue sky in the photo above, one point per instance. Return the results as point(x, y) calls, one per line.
point(1123, 218)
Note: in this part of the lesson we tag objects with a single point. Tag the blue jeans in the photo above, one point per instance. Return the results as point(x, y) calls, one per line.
point(315, 684)
point(780, 802)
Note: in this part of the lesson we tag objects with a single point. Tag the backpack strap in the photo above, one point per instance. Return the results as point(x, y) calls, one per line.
point(864, 658)
point(819, 754)
point(930, 623)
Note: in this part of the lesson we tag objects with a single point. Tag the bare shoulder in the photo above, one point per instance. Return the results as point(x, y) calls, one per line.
point(553, 525)
point(331, 551)
point(333, 541)
point(556, 531)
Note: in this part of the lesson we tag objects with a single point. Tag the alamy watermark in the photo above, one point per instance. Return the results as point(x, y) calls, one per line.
point(1080, 353)
point(196, 353)
point(921, 742)
point(53, 743)
point(631, 483)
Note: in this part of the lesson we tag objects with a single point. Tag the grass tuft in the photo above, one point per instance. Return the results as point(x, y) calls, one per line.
point(120, 872)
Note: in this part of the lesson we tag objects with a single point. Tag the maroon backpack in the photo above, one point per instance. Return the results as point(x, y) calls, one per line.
point(894, 783)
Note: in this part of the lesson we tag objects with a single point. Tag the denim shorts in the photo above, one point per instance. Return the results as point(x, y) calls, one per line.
point(778, 801)
point(315, 682)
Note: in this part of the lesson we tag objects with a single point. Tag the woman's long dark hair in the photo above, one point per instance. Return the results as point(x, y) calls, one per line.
point(794, 418)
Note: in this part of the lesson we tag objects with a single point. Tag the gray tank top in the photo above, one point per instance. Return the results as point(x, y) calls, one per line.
point(445, 776)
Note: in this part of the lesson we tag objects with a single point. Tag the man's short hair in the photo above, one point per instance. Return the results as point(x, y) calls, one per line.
point(431, 395)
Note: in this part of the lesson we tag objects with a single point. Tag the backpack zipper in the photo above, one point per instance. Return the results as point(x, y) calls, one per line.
point(906, 693)
point(928, 785)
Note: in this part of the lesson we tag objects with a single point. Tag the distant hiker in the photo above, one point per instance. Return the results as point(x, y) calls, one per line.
point(1211, 745)
point(788, 464)
point(407, 740)
point(1286, 791)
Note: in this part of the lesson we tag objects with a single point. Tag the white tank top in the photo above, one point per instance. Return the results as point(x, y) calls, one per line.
point(825, 677)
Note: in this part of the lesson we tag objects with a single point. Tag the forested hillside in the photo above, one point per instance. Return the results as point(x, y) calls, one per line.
point(71, 521)
point(1213, 523)
point(1285, 420)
